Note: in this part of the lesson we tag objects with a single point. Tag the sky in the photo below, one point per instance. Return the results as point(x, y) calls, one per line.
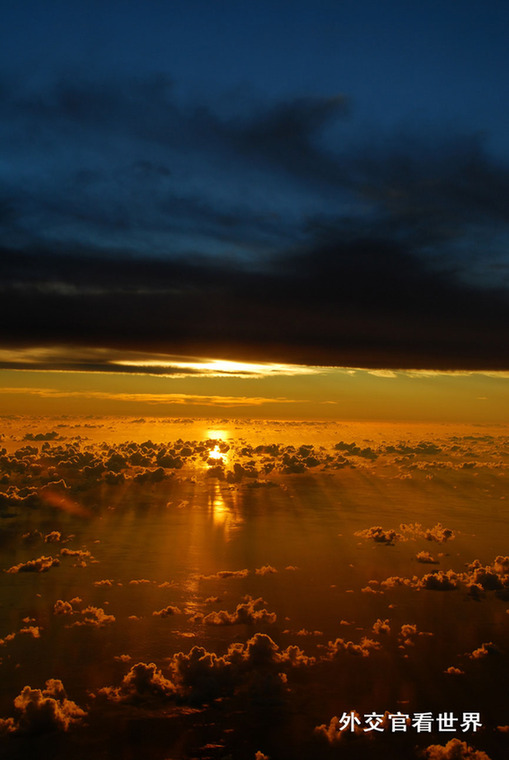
point(301, 184)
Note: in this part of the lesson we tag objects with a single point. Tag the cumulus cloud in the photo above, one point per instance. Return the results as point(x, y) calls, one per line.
point(453, 750)
point(43, 710)
point(83, 465)
point(122, 657)
point(95, 617)
point(487, 649)
point(399, 580)
point(481, 578)
point(378, 534)
point(426, 558)
point(381, 626)
point(437, 533)
point(265, 570)
point(362, 649)
point(167, 611)
point(246, 613)
point(16, 497)
point(31, 630)
point(53, 537)
point(476, 580)
point(51, 436)
point(82, 556)
point(408, 633)
point(501, 564)
point(439, 580)
point(143, 683)
point(39, 565)
point(334, 733)
point(257, 667)
point(226, 574)
point(62, 608)
point(414, 530)
point(305, 632)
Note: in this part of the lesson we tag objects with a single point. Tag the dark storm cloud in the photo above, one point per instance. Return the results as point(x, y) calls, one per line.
point(356, 307)
point(148, 108)
point(284, 137)
point(122, 154)
point(134, 220)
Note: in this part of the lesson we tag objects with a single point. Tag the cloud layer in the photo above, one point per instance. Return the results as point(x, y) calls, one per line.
point(393, 249)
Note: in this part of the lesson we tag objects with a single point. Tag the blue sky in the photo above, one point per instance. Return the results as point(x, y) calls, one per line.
point(397, 60)
point(210, 149)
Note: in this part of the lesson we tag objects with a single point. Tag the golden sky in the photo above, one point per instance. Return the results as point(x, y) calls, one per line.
point(266, 391)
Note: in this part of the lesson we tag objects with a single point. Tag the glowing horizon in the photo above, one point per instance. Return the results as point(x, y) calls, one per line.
point(302, 393)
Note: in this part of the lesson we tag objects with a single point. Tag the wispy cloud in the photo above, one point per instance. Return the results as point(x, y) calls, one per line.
point(69, 358)
point(184, 399)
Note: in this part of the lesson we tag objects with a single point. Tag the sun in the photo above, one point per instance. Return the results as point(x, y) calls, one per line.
point(219, 448)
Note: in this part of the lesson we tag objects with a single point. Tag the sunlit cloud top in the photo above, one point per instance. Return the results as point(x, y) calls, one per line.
point(217, 367)
point(72, 359)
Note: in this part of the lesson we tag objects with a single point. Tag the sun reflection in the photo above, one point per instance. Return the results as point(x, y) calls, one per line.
point(224, 515)
point(220, 511)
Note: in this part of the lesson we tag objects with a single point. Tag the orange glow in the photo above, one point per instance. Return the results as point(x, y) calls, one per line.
point(326, 394)
point(55, 498)
point(220, 453)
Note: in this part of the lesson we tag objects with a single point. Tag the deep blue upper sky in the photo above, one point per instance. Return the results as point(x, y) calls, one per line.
point(398, 61)
point(259, 137)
